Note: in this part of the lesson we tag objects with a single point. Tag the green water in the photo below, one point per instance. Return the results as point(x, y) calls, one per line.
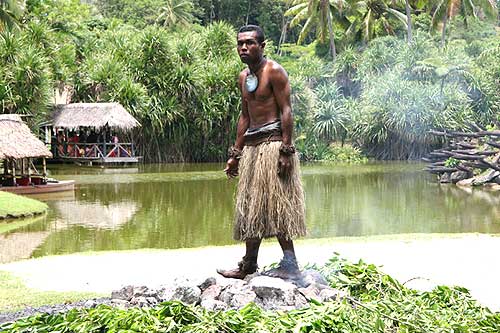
point(177, 206)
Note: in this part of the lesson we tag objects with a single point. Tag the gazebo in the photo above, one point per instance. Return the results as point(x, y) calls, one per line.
point(18, 148)
point(91, 132)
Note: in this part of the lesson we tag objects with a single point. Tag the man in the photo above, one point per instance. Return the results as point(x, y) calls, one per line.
point(270, 200)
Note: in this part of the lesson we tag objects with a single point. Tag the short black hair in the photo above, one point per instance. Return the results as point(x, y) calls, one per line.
point(256, 28)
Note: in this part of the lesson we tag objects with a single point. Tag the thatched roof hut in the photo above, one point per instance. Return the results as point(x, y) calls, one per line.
point(17, 141)
point(95, 115)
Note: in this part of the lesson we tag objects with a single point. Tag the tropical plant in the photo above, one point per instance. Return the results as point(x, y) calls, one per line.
point(367, 15)
point(10, 13)
point(446, 9)
point(318, 14)
point(177, 12)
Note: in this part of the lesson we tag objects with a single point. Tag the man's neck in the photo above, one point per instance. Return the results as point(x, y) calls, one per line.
point(257, 66)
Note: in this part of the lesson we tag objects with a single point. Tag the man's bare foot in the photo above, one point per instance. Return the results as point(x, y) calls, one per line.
point(245, 267)
point(288, 269)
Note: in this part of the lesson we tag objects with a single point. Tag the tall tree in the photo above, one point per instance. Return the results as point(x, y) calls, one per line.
point(365, 15)
point(177, 12)
point(10, 12)
point(317, 14)
point(446, 9)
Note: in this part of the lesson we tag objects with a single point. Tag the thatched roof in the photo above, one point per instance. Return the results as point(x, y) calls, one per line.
point(96, 115)
point(17, 141)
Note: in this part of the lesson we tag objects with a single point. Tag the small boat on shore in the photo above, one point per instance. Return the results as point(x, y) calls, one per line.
point(49, 187)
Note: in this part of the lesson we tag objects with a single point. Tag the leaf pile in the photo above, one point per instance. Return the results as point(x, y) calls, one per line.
point(376, 303)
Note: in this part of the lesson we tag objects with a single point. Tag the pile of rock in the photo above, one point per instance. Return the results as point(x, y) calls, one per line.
point(221, 294)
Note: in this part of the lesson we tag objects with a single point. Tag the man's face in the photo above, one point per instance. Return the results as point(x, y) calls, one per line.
point(249, 48)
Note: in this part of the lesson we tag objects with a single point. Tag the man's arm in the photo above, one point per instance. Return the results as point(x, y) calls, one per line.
point(243, 124)
point(281, 90)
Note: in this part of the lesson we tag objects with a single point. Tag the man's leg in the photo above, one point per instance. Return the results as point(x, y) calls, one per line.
point(249, 263)
point(288, 267)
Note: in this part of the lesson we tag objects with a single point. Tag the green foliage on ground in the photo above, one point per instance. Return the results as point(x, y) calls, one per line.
point(15, 296)
point(375, 302)
point(12, 205)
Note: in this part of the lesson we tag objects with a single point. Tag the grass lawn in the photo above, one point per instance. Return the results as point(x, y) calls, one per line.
point(14, 295)
point(12, 205)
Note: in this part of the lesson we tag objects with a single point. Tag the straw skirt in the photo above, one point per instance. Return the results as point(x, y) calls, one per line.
point(268, 205)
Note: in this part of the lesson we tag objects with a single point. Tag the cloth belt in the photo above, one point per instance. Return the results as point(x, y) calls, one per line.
point(265, 133)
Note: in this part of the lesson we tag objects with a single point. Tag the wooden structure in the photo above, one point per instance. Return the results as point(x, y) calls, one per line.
point(468, 158)
point(89, 133)
point(18, 148)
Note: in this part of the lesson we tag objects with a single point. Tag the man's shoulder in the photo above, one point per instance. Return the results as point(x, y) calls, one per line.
point(274, 66)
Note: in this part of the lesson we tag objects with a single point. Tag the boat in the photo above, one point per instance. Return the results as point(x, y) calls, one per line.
point(50, 187)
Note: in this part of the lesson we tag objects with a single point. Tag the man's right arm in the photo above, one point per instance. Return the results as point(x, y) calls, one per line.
point(243, 124)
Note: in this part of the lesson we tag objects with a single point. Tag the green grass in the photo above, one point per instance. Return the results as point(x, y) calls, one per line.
point(14, 295)
point(12, 205)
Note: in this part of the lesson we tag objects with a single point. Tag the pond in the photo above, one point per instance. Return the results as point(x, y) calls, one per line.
point(190, 205)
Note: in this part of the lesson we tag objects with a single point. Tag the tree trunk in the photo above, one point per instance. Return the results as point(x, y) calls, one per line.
point(333, 50)
point(408, 21)
point(284, 24)
point(443, 32)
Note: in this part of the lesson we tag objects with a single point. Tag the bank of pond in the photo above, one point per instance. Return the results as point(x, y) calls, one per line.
point(15, 206)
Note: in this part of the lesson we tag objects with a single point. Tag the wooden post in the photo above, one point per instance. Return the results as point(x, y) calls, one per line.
point(13, 172)
point(44, 172)
point(29, 171)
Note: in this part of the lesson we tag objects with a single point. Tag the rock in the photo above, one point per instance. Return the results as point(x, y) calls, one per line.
point(311, 292)
point(329, 294)
point(213, 305)
point(120, 303)
point(311, 276)
point(126, 293)
point(90, 304)
point(139, 301)
point(187, 292)
point(458, 176)
point(274, 293)
point(207, 283)
point(465, 182)
point(238, 295)
point(166, 294)
point(444, 178)
point(211, 292)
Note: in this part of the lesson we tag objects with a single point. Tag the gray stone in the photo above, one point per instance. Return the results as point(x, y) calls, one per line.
point(213, 305)
point(311, 276)
point(211, 292)
point(166, 294)
point(274, 293)
point(120, 303)
point(126, 293)
point(444, 178)
point(311, 292)
point(140, 291)
point(329, 294)
point(238, 295)
point(139, 301)
point(187, 292)
point(90, 304)
point(457, 176)
point(207, 283)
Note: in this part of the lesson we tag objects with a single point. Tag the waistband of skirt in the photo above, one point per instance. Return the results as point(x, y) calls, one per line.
point(261, 139)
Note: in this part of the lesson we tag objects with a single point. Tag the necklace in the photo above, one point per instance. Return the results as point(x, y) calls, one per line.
point(252, 81)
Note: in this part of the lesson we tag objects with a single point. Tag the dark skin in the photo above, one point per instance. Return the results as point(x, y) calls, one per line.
point(270, 101)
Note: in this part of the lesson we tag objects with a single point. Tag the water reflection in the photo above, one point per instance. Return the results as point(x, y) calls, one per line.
point(174, 206)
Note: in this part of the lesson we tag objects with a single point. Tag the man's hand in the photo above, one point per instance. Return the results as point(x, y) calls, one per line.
point(231, 169)
point(284, 166)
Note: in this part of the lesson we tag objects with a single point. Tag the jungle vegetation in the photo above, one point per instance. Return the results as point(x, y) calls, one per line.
point(373, 76)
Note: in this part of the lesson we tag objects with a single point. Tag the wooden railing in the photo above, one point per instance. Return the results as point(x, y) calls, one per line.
point(93, 150)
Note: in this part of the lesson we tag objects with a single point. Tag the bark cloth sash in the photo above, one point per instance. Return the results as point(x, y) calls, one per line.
point(270, 131)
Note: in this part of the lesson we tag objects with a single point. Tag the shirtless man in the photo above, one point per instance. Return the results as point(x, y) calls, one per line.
point(270, 199)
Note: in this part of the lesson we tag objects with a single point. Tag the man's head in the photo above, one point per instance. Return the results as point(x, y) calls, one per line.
point(250, 43)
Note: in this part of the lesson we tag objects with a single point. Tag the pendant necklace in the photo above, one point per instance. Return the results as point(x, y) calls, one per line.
point(252, 81)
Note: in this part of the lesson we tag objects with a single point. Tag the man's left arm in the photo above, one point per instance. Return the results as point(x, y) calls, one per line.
point(281, 90)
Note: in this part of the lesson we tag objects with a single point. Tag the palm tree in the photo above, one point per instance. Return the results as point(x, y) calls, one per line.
point(445, 9)
point(10, 12)
point(177, 12)
point(318, 14)
point(366, 14)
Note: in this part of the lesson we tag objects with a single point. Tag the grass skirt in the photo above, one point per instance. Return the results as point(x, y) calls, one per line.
point(268, 205)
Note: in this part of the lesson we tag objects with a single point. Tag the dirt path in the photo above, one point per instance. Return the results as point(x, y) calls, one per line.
point(465, 260)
